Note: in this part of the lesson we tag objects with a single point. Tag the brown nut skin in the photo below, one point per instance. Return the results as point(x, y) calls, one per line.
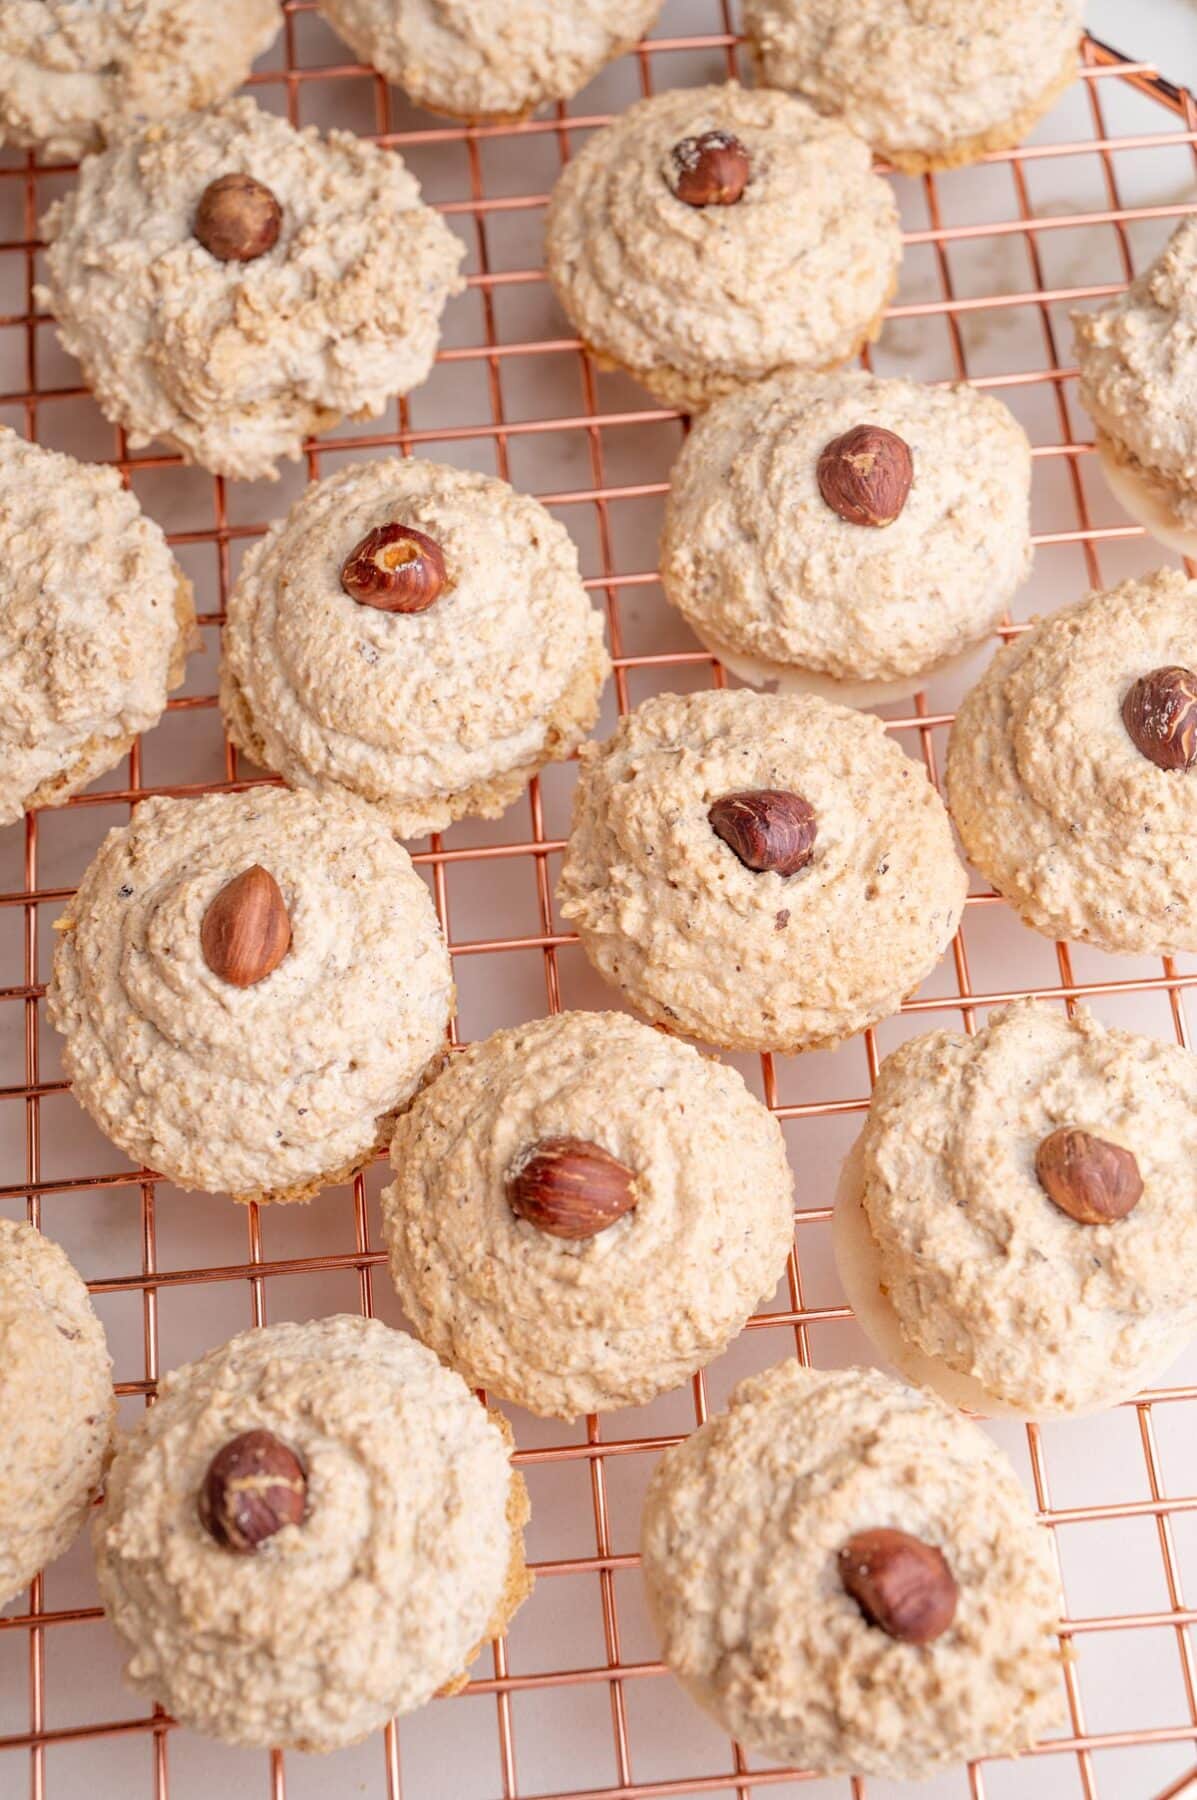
point(865, 476)
point(900, 1584)
point(246, 931)
point(767, 828)
point(395, 568)
point(710, 170)
point(1160, 715)
point(253, 1487)
point(238, 219)
point(1095, 1183)
point(570, 1188)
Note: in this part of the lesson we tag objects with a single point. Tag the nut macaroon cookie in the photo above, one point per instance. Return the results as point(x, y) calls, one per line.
point(1017, 1224)
point(250, 986)
point(711, 236)
point(1138, 380)
point(57, 1409)
point(585, 1212)
point(230, 284)
point(315, 1528)
point(845, 534)
point(929, 86)
point(763, 872)
point(1070, 769)
point(847, 1576)
point(489, 60)
point(96, 620)
point(416, 636)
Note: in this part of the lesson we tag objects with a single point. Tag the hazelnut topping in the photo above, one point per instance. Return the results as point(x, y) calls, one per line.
point(1160, 715)
point(1095, 1183)
point(396, 569)
point(252, 1488)
point(900, 1584)
point(238, 219)
point(710, 170)
point(865, 475)
point(767, 828)
point(570, 1188)
point(246, 931)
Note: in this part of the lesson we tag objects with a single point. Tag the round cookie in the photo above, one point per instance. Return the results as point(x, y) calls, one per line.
point(930, 85)
point(96, 620)
point(429, 714)
point(1008, 1301)
point(847, 533)
point(383, 1547)
point(753, 1526)
point(1138, 381)
point(250, 985)
point(553, 1278)
point(321, 298)
point(74, 73)
point(850, 892)
point(489, 59)
point(56, 1404)
point(789, 267)
point(1084, 832)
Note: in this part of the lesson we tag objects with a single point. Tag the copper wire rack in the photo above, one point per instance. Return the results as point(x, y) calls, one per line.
point(574, 1704)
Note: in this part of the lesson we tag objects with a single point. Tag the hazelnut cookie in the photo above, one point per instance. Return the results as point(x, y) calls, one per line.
point(713, 235)
point(489, 59)
point(74, 73)
point(1138, 364)
point(96, 620)
point(585, 1212)
point(1017, 1226)
point(845, 534)
point(417, 636)
point(314, 1528)
point(764, 872)
point(1070, 769)
point(250, 986)
point(56, 1404)
point(231, 285)
point(930, 84)
point(848, 1576)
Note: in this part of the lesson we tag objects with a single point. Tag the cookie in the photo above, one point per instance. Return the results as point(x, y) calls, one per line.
point(96, 620)
point(489, 60)
point(75, 73)
point(848, 1577)
point(314, 1528)
point(929, 86)
point(845, 534)
point(56, 1404)
point(250, 985)
point(414, 635)
point(711, 236)
point(231, 285)
point(763, 872)
point(982, 1225)
point(585, 1212)
point(1138, 366)
point(1069, 769)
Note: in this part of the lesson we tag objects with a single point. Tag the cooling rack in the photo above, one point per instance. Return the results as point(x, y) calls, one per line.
point(574, 1705)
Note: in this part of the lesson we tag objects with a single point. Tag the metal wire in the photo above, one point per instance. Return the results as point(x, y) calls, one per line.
point(256, 1271)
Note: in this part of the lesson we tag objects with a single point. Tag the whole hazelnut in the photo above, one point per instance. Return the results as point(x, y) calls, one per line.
point(253, 1487)
point(1160, 715)
point(395, 568)
point(767, 828)
point(1094, 1182)
point(570, 1188)
point(246, 931)
point(238, 219)
point(711, 169)
point(865, 476)
point(900, 1584)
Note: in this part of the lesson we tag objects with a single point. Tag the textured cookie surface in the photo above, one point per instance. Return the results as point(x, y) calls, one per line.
point(1080, 831)
point(271, 1090)
point(236, 362)
point(428, 715)
point(741, 1529)
point(56, 1404)
point(752, 960)
point(1138, 363)
point(758, 561)
point(927, 82)
point(409, 1554)
point(96, 620)
point(572, 1326)
point(489, 58)
point(698, 300)
point(982, 1269)
point(75, 72)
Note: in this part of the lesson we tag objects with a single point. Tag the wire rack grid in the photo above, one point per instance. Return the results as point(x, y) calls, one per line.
point(573, 1706)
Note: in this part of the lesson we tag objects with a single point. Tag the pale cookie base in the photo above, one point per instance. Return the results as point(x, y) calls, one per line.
point(520, 1581)
point(525, 113)
point(861, 1272)
point(787, 678)
point(1144, 500)
point(1005, 136)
